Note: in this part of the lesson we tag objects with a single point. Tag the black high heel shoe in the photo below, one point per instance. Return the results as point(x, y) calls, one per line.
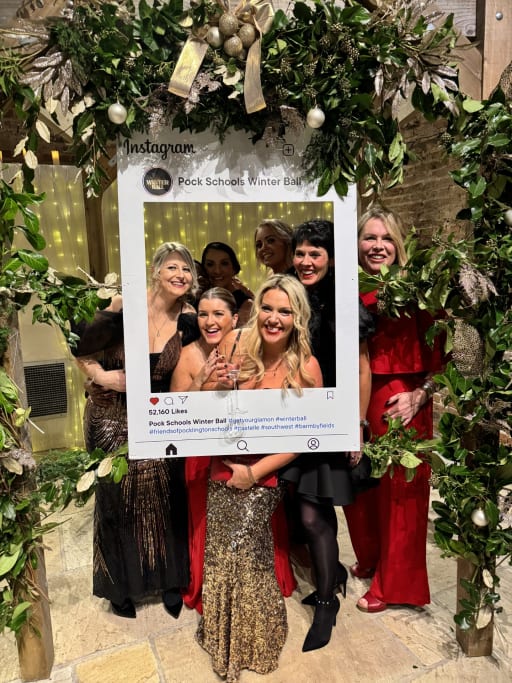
point(173, 602)
point(126, 610)
point(323, 622)
point(340, 585)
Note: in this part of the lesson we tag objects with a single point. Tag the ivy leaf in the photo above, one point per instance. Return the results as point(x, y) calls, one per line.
point(325, 183)
point(34, 260)
point(472, 106)
point(499, 140)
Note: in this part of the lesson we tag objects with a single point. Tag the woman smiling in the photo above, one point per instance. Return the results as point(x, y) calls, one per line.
point(244, 617)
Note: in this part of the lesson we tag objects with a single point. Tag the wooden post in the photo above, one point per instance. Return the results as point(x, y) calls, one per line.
point(35, 640)
point(474, 642)
point(35, 648)
point(494, 33)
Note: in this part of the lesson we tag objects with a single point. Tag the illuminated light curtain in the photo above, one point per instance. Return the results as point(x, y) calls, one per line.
point(62, 223)
point(196, 224)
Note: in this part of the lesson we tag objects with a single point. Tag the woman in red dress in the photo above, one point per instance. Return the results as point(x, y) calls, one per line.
point(388, 524)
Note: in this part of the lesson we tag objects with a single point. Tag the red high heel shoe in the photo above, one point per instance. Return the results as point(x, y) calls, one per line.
point(361, 573)
point(373, 604)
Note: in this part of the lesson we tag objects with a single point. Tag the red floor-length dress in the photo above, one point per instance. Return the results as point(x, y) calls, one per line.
point(388, 524)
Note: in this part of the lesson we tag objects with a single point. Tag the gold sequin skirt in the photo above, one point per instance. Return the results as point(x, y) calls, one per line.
point(244, 616)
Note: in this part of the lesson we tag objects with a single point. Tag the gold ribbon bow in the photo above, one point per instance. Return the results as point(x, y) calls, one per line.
point(259, 13)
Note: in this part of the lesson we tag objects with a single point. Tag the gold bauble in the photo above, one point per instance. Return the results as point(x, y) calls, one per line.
point(233, 46)
point(247, 34)
point(228, 24)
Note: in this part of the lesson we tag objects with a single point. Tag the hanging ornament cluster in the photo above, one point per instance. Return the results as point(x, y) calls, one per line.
point(238, 32)
point(236, 35)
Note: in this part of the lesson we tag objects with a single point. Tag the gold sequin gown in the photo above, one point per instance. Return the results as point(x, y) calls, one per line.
point(244, 616)
point(140, 544)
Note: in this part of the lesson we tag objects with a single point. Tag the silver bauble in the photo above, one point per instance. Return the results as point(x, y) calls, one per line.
point(247, 34)
point(117, 113)
point(479, 517)
point(233, 46)
point(214, 37)
point(228, 24)
point(315, 117)
point(508, 216)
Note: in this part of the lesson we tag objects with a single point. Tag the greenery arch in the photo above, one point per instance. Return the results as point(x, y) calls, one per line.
point(357, 67)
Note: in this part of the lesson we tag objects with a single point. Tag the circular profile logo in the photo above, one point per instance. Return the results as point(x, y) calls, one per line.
point(157, 181)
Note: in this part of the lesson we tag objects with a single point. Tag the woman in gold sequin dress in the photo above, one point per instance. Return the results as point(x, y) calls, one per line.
point(244, 616)
point(140, 525)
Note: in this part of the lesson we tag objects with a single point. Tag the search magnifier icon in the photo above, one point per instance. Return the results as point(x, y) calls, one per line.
point(242, 445)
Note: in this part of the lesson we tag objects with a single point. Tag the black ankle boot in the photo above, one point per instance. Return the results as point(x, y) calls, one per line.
point(173, 602)
point(340, 585)
point(126, 609)
point(325, 618)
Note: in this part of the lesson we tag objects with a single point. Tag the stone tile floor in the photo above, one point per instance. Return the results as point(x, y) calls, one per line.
point(398, 645)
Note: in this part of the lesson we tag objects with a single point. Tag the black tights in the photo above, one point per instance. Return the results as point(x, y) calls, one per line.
point(321, 528)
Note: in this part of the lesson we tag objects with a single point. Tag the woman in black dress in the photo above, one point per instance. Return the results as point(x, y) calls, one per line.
point(221, 267)
point(323, 480)
point(140, 542)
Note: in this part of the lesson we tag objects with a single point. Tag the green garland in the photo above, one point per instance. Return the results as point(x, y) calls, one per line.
point(356, 66)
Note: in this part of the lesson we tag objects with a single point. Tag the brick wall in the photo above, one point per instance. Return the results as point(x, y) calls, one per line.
point(428, 199)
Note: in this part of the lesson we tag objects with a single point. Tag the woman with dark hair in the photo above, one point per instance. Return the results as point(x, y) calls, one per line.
point(244, 616)
point(221, 267)
point(216, 317)
point(323, 480)
point(273, 245)
point(388, 525)
point(140, 525)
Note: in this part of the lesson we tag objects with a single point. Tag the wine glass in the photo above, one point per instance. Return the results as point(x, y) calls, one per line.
point(233, 373)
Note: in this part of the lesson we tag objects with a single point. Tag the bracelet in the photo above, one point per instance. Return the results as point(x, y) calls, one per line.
point(429, 387)
point(364, 424)
point(250, 475)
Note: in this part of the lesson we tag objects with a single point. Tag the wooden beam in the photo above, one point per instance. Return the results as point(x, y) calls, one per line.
point(98, 262)
point(470, 69)
point(494, 33)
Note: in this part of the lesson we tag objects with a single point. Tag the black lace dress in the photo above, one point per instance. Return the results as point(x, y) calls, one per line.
point(140, 525)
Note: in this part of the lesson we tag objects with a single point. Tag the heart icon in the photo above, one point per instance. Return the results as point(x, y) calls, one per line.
point(154, 400)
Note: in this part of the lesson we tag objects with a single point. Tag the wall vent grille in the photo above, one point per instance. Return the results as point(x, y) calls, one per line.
point(46, 388)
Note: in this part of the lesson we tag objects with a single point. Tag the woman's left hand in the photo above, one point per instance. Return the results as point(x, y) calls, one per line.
point(405, 405)
point(240, 478)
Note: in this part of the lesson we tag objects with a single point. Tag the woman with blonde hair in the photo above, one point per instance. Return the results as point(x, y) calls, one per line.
point(273, 245)
point(140, 525)
point(244, 617)
point(388, 524)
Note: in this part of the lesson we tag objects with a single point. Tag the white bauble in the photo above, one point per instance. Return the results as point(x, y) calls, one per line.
point(315, 117)
point(117, 113)
point(508, 216)
point(214, 37)
point(479, 517)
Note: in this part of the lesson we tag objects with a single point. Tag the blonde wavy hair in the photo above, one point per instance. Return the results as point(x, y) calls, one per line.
point(393, 224)
point(160, 257)
point(298, 351)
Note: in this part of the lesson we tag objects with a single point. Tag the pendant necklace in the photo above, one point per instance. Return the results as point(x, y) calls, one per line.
point(275, 368)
